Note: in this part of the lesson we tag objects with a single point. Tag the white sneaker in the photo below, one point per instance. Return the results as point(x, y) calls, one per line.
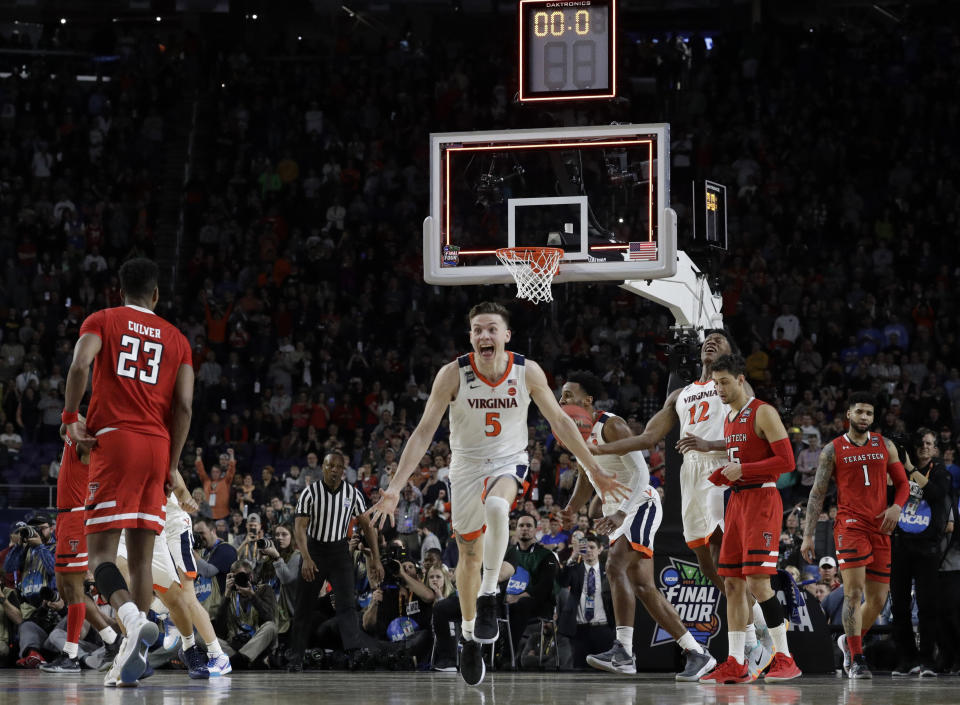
point(171, 635)
point(219, 666)
point(112, 679)
point(141, 634)
point(845, 650)
point(758, 659)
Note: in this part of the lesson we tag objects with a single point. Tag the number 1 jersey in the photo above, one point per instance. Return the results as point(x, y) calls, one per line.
point(135, 372)
point(861, 475)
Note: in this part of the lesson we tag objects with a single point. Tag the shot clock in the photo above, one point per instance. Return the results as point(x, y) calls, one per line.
point(567, 49)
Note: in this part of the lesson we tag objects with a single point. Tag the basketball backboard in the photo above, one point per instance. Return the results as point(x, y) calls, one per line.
point(602, 194)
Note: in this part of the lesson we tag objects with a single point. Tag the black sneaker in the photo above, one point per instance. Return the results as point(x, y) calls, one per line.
point(472, 668)
point(858, 668)
point(64, 664)
point(196, 660)
point(486, 629)
point(927, 671)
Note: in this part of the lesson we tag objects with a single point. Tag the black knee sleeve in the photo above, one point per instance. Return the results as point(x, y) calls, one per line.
point(109, 579)
point(772, 612)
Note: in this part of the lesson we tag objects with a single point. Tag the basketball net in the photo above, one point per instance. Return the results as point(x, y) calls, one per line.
point(533, 269)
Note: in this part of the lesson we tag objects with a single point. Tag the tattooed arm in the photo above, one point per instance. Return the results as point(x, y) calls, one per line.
point(821, 483)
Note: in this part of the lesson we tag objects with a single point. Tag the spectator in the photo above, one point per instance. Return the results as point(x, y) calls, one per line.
point(586, 615)
point(216, 485)
point(214, 558)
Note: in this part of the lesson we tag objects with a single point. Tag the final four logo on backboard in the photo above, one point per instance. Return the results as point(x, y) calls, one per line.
point(451, 256)
point(694, 597)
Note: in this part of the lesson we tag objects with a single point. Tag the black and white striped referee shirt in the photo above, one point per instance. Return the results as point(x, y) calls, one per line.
point(329, 512)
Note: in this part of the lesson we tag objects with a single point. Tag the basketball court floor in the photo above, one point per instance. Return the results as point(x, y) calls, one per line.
point(501, 688)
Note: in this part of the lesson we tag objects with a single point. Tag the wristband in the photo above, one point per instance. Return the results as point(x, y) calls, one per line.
point(69, 417)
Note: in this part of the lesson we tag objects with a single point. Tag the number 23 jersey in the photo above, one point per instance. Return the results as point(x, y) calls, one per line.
point(488, 418)
point(135, 372)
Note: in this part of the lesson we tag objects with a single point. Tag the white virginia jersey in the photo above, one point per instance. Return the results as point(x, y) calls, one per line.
point(701, 412)
point(488, 418)
point(178, 520)
point(613, 464)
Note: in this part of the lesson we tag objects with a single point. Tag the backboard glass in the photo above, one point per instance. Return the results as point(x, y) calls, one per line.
point(601, 193)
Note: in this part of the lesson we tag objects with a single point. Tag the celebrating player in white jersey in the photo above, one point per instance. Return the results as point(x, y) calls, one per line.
point(488, 392)
point(632, 525)
point(701, 414)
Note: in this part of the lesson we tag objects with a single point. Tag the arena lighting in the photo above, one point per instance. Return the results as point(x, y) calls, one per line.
point(158, 18)
point(63, 20)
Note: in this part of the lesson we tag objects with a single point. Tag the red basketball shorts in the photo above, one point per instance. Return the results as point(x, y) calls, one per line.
point(125, 486)
point(858, 545)
point(71, 542)
point(751, 535)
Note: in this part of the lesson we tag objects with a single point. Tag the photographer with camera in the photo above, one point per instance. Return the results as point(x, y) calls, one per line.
point(214, 558)
point(32, 562)
point(247, 550)
point(324, 511)
point(401, 594)
point(280, 568)
point(246, 617)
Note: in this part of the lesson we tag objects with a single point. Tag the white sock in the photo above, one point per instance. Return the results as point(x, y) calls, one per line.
point(71, 649)
point(497, 514)
point(736, 641)
point(758, 619)
point(779, 636)
point(128, 611)
point(466, 626)
point(213, 649)
point(688, 643)
point(751, 636)
point(188, 641)
point(625, 637)
point(108, 635)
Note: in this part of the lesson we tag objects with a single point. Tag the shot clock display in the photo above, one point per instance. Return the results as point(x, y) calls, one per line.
point(567, 49)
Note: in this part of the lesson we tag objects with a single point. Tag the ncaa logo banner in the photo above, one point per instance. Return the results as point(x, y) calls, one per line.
point(694, 598)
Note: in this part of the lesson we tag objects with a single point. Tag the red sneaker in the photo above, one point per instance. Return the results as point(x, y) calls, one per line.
point(730, 671)
point(783, 668)
point(31, 660)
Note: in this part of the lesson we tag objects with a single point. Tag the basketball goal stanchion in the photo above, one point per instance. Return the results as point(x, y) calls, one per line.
point(533, 269)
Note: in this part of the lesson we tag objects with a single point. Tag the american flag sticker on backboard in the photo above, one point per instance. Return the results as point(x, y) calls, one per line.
point(646, 250)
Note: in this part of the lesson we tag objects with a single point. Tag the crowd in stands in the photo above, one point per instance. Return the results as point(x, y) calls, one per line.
point(312, 330)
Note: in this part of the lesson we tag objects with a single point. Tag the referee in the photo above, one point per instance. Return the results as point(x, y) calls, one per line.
point(324, 511)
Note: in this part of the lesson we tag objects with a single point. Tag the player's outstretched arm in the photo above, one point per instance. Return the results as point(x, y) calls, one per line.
point(564, 429)
point(84, 352)
point(821, 483)
point(444, 390)
point(655, 431)
point(617, 430)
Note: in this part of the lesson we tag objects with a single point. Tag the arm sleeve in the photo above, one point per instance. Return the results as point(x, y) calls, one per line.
point(900, 484)
point(207, 570)
point(634, 461)
point(45, 553)
point(770, 468)
point(288, 571)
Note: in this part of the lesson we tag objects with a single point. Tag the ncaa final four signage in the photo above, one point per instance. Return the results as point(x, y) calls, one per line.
point(694, 597)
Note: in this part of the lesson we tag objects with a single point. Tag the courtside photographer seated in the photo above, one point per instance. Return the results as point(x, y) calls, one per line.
point(401, 607)
point(246, 618)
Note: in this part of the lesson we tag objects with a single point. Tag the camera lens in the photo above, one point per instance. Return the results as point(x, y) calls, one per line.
point(241, 580)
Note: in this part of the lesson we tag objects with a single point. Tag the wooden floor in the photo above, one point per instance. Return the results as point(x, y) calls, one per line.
point(383, 688)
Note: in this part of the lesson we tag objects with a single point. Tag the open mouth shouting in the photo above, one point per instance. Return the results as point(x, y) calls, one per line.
point(486, 350)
